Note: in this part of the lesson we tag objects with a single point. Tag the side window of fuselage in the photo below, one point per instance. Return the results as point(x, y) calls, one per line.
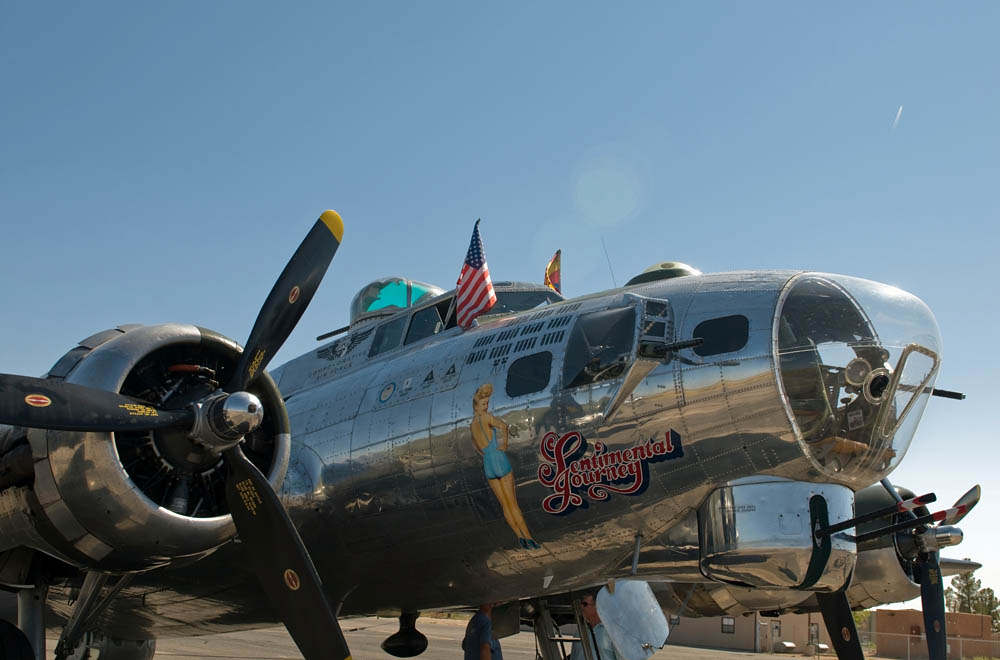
point(529, 374)
point(599, 346)
point(722, 335)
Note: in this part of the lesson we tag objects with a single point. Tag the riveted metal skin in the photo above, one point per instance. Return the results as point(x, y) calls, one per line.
point(388, 490)
point(104, 520)
point(373, 473)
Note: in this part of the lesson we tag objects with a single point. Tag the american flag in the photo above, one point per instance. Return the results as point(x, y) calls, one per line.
point(475, 294)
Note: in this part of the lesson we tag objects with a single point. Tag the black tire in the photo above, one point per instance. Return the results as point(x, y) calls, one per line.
point(14, 644)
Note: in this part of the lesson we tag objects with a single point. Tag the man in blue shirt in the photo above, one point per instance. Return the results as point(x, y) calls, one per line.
point(479, 643)
point(596, 631)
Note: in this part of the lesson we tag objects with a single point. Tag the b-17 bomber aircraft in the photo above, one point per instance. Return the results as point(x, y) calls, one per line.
point(699, 444)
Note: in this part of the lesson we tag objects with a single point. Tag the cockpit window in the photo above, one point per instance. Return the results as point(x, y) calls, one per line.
point(430, 321)
point(424, 324)
point(599, 346)
point(509, 302)
point(387, 336)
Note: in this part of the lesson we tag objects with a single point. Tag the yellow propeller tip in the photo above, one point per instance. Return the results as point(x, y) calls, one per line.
point(334, 223)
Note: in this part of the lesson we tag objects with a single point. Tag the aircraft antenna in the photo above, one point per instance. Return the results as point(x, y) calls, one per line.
point(609, 262)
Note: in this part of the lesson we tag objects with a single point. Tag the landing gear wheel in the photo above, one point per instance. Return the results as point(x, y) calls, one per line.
point(14, 644)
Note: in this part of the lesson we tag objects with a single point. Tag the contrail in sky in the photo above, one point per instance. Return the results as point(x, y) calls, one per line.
point(896, 120)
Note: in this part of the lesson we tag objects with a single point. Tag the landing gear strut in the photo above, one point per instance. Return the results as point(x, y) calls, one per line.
point(89, 605)
point(31, 618)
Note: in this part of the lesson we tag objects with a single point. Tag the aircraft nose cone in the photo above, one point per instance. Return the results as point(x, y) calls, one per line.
point(857, 361)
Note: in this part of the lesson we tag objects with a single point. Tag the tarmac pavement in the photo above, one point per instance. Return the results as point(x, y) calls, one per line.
point(364, 636)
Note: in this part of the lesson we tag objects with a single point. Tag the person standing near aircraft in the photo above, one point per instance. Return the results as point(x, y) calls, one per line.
point(479, 643)
point(499, 474)
point(598, 633)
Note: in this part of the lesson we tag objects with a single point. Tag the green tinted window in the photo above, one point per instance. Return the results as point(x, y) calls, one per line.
point(421, 291)
point(392, 294)
point(388, 294)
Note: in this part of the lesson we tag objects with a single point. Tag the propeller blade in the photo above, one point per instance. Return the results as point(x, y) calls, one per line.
point(932, 602)
point(840, 625)
point(963, 506)
point(289, 298)
point(51, 404)
point(281, 562)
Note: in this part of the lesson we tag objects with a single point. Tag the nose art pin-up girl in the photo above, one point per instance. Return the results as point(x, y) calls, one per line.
point(498, 471)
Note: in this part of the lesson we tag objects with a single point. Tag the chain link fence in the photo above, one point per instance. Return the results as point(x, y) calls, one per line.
point(914, 647)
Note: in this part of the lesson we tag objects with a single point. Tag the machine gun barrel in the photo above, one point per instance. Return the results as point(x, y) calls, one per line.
point(903, 526)
point(899, 507)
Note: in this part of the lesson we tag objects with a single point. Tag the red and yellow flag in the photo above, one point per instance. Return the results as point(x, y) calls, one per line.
point(553, 279)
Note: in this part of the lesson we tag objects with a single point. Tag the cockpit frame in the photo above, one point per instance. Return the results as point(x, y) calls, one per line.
point(395, 329)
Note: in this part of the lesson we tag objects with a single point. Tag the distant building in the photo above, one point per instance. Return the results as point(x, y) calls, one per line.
point(887, 633)
point(900, 634)
point(797, 633)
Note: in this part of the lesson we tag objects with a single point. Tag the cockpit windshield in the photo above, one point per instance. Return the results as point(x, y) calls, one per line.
point(521, 299)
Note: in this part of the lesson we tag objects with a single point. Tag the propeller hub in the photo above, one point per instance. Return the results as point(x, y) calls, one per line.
point(936, 538)
point(233, 416)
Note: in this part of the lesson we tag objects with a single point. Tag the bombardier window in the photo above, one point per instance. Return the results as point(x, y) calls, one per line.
point(722, 335)
point(529, 374)
point(599, 346)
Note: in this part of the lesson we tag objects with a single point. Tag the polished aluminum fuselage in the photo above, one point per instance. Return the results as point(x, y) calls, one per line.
point(390, 494)
point(681, 463)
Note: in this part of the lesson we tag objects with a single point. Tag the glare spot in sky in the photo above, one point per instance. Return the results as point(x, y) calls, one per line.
point(607, 190)
point(547, 238)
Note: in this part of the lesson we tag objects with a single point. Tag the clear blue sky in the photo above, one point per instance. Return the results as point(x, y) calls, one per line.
point(160, 162)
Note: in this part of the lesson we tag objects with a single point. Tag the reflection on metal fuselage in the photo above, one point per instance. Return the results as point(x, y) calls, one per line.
point(388, 486)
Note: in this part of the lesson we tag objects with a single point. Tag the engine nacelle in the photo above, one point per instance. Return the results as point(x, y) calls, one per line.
point(883, 573)
point(130, 501)
point(878, 579)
